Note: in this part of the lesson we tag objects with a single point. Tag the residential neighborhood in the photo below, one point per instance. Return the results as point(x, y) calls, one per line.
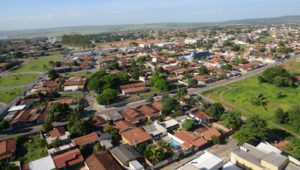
point(211, 97)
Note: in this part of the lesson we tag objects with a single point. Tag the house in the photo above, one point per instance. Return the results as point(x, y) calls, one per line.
point(46, 162)
point(136, 136)
point(203, 79)
point(29, 117)
point(134, 88)
point(125, 154)
point(170, 125)
point(150, 111)
point(134, 116)
point(106, 140)
point(58, 133)
point(207, 161)
point(123, 125)
point(201, 117)
point(7, 149)
point(98, 121)
point(208, 134)
point(191, 140)
point(251, 157)
point(114, 116)
point(102, 161)
point(75, 84)
point(88, 139)
point(68, 160)
point(156, 130)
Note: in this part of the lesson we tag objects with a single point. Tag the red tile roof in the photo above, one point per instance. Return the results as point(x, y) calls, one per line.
point(133, 115)
point(190, 139)
point(202, 115)
point(102, 161)
point(56, 132)
point(7, 148)
point(123, 125)
point(69, 158)
point(136, 136)
point(210, 133)
point(86, 139)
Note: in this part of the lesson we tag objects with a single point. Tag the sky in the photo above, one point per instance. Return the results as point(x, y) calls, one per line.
point(32, 14)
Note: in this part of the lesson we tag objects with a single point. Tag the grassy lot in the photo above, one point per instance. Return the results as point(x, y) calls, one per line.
point(149, 93)
point(31, 149)
point(74, 95)
point(240, 93)
point(15, 80)
point(80, 73)
point(38, 64)
point(9, 95)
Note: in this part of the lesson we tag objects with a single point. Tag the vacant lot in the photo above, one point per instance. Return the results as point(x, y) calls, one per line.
point(75, 95)
point(15, 80)
point(40, 64)
point(9, 95)
point(240, 94)
point(30, 149)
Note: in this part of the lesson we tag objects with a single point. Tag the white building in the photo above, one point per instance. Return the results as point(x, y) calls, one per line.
point(45, 163)
point(206, 161)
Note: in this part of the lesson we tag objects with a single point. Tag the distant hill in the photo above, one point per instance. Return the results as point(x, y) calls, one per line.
point(115, 28)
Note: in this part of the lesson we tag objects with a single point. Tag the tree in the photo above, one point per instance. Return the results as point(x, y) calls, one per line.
point(158, 151)
point(97, 148)
point(170, 105)
point(56, 143)
point(226, 67)
point(258, 100)
point(52, 74)
point(203, 70)
point(215, 140)
point(294, 117)
point(108, 96)
point(107, 127)
point(216, 110)
point(187, 124)
point(59, 110)
point(149, 100)
point(255, 128)
point(162, 84)
point(47, 126)
point(277, 75)
point(232, 120)
point(76, 125)
point(4, 124)
point(192, 83)
point(281, 116)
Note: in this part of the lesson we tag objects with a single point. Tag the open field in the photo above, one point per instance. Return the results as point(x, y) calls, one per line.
point(38, 64)
point(74, 95)
point(16, 80)
point(80, 73)
point(9, 95)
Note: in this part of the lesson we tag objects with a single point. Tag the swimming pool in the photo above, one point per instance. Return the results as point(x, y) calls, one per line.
point(174, 144)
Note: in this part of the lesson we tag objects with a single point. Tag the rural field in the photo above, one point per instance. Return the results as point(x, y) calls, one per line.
point(16, 80)
point(40, 64)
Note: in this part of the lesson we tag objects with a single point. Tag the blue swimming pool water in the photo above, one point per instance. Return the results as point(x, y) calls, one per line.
point(174, 144)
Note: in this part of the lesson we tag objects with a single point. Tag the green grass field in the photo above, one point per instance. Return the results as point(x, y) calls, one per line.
point(15, 80)
point(9, 95)
point(74, 95)
point(38, 64)
point(80, 73)
point(240, 93)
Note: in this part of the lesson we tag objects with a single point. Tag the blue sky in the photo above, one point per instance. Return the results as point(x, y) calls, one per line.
point(28, 14)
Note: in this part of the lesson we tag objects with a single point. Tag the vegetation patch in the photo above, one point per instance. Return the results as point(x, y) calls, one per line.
point(15, 80)
point(40, 64)
point(9, 95)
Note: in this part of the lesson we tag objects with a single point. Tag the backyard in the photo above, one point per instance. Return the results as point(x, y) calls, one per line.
point(38, 64)
point(31, 149)
point(16, 80)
